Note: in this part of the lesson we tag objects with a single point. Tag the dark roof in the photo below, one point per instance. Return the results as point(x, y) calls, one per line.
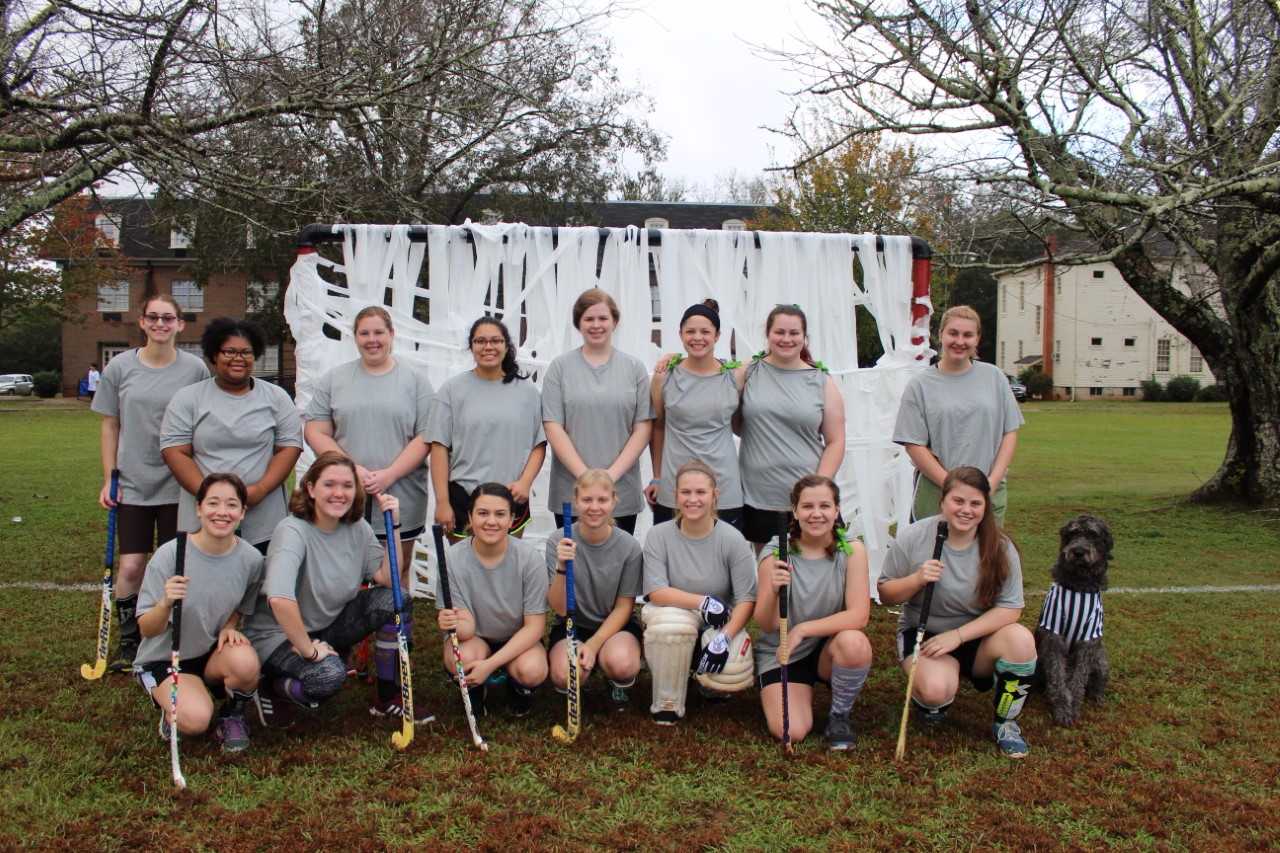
point(1029, 359)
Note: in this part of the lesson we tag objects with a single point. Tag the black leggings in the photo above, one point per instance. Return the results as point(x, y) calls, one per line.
point(367, 612)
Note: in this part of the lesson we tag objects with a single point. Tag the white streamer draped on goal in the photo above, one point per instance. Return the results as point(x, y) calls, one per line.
point(530, 277)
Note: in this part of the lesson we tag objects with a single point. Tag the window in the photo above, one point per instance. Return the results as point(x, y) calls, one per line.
point(192, 347)
point(1095, 342)
point(733, 225)
point(1162, 355)
point(189, 296)
point(250, 241)
point(1098, 273)
point(109, 228)
point(1131, 342)
point(1003, 363)
point(1057, 352)
point(113, 298)
point(656, 222)
point(1019, 350)
point(1197, 361)
point(1095, 391)
point(261, 295)
point(110, 351)
point(1022, 296)
point(269, 364)
point(1057, 284)
point(1130, 392)
point(1002, 299)
point(178, 239)
point(1037, 319)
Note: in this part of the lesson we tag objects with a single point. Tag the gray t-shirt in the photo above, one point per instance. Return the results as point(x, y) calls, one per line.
point(698, 412)
point(489, 427)
point(817, 591)
point(374, 418)
point(599, 407)
point(321, 571)
point(962, 417)
point(137, 395)
point(235, 434)
point(720, 563)
point(781, 431)
point(500, 597)
point(217, 586)
point(953, 602)
point(601, 573)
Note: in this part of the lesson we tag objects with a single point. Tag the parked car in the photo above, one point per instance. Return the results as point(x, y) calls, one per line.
point(16, 383)
point(1019, 390)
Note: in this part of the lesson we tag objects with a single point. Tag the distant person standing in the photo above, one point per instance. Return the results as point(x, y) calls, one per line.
point(136, 387)
point(960, 412)
point(91, 380)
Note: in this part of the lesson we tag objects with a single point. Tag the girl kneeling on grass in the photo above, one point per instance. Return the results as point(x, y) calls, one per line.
point(219, 587)
point(608, 564)
point(499, 589)
point(829, 604)
point(314, 609)
point(973, 625)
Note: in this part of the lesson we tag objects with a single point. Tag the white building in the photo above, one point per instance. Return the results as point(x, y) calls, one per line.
point(1105, 340)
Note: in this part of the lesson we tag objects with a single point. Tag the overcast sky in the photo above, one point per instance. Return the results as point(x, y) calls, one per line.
point(713, 92)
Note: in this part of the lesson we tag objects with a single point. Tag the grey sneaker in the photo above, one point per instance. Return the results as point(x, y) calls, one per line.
point(1009, 738)
point(839, 733)
point(233, 733)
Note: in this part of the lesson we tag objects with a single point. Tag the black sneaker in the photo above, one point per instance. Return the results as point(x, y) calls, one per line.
point(477, 695)
point(123, 660)
point(666, 718)
point(519, 699)
point(839, 734)
point(392, 708)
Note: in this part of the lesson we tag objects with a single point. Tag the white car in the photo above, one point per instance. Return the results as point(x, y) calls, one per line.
point(16, 383)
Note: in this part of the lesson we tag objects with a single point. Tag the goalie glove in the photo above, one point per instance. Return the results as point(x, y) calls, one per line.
point(713, 611)
point(715, 655)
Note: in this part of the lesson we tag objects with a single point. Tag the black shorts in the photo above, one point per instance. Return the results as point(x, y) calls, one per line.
point(585, 631)
point(460, 501)
point(759, 526)
point(802, 671)
point(142, 529)
point(732, 517)
point(966, 653)
point(151, 675)
point(623, 522)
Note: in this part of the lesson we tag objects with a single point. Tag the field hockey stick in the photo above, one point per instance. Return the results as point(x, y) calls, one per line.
point(94, 672)
point(574, 696)
point(437, 532)
point(175, 666)
point(784, 652)
point(404, 737)
point(915, 653)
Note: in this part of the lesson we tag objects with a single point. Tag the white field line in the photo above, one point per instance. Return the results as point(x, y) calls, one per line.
point(47, 586)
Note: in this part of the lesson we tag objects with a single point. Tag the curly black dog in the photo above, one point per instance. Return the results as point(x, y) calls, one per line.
point(1072, 659)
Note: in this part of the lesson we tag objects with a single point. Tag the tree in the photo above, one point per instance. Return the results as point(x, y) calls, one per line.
point(651, 185)
point(1136, 126)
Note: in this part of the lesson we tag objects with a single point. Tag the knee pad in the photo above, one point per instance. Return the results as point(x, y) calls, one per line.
point(738, 672)
point(324, 678)
point(670, 634)
point(380, 603)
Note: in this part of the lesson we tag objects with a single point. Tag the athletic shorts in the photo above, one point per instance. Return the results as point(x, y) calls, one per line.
point(732, 517)
point(586, 632)
point(966, 653)
point(151, 675)
point(460, 501)
point(623, 522)
point(760, 525)
point(142, 529)
point(802, 671)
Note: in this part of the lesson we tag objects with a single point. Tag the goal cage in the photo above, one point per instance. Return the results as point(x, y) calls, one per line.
point(435, 280)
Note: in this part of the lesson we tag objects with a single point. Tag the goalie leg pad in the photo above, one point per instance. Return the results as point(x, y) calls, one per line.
point(670, 634)
point(739, 671)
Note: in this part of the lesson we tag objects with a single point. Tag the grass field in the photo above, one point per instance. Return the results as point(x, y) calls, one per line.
point(1183, 755)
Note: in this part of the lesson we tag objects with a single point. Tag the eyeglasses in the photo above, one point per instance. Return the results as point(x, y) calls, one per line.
point(166, 319)
point(233, 354)
point(488, 342)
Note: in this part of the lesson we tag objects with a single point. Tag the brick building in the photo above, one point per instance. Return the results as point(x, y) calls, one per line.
point(157, 260)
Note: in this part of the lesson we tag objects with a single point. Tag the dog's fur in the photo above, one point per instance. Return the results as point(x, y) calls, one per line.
point(1072, 672)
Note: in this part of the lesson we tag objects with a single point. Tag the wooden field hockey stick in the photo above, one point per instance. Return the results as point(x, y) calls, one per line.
point(175, 665)
point(915, 653)
point(94, 672)
point(404, 737)
point(574, 696)
point(784, 652)
point(437, 532)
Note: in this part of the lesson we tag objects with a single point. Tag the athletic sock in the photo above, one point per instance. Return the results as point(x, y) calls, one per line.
point(386, 659)
point(1013, 681)
point(127, 615)
point(627, 686)
point(235, 704)
point(846, 684)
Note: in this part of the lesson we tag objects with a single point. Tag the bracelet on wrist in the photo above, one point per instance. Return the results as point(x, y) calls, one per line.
point(561, 572)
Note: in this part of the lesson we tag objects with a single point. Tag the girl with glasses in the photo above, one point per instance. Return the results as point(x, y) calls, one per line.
point(132, 394)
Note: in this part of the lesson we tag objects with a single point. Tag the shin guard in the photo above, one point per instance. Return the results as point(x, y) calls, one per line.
point(1013, 682)
point(670, 634)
